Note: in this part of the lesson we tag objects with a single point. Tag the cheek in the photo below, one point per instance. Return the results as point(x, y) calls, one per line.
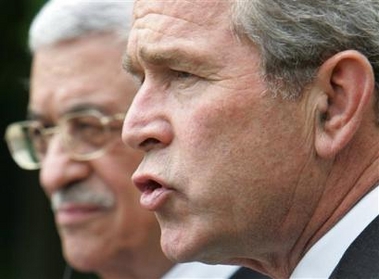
point(220, 126)
point(116, 169)
point(241, 144)
point(217, 145)
point(128, 209)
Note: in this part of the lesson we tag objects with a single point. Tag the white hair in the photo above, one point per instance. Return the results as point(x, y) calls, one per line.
point(61, 20)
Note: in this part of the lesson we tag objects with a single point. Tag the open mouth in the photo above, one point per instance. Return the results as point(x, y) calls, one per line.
point(148, 186)
point(154, 194)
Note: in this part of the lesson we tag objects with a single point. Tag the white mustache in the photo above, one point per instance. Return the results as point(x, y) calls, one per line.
point(83, 194)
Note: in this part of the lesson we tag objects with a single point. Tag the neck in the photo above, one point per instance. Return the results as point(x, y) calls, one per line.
point(353, 174)
point(341, 183)
point(149, 268)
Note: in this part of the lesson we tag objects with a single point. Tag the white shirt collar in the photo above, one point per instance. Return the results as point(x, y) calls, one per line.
point(196, 270)
point(324, 255)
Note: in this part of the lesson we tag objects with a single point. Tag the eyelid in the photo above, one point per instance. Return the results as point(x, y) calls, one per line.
point(139, 78)
point(183, 74)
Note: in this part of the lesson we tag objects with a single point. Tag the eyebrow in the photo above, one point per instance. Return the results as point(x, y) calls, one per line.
point(169, 57)
point(33, 115)
point(176, 58)
point(128, 65)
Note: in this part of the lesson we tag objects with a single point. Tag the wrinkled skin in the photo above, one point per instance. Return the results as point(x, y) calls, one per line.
point(220, 137)
point(115, 242)
point(233, 174)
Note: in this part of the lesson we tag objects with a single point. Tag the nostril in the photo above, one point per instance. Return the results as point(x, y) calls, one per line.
point(149, 143)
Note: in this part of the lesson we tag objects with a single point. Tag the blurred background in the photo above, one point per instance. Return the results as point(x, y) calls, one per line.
point(29, 244)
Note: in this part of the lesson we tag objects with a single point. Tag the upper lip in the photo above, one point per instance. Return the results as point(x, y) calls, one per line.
point(68, 206)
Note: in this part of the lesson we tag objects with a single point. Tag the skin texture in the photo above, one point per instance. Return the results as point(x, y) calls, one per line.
point(233, 174)
point(118, 242)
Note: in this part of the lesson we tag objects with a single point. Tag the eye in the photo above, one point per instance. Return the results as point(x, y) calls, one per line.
point(87, 125)
point(183, 80)
point(34, 132)
point(85, 128)
point(35, 137)
point(182, 75)
point(140, 79)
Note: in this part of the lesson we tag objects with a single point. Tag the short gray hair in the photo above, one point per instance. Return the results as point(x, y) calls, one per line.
point(61, 20)
point(296, 36)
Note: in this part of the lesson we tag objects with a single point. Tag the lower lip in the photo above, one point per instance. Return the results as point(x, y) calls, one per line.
point(154, 199)
point(76, 216)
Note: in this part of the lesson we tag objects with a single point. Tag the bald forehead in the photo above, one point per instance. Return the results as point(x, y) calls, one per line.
point(196, 11)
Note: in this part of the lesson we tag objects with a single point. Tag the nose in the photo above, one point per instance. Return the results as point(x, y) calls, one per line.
point(147, 124)
point(58, 169)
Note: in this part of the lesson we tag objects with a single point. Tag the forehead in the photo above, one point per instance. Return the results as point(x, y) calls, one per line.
point(199, 12)
point(166, 26)
point(185, 17)
point(80, 72)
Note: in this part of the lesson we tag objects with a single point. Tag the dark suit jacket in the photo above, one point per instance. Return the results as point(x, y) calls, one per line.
point(246, 273)
point(361, 259)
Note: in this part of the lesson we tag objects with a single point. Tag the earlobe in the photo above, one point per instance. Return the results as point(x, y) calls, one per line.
point(347, 84)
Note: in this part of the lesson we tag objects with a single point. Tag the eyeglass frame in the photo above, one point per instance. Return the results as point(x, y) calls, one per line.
point(48, 132)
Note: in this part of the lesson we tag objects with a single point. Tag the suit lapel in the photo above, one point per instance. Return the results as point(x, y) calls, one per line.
point(361, 259)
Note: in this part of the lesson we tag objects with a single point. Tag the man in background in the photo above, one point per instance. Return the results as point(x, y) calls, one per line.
point(78, 99)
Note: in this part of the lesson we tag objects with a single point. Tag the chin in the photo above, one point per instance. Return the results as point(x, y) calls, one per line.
point(82, 255)
point(181, 245)
point(83, 262)
point(187, 253)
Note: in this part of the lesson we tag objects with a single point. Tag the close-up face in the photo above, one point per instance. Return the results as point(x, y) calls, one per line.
point(96, 207)
point(223, 158)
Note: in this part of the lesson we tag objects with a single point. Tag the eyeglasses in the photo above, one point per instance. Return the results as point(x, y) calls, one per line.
point(85, 135)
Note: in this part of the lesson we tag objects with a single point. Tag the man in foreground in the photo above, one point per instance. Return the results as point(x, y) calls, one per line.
point(259, 123)
point(79, 95)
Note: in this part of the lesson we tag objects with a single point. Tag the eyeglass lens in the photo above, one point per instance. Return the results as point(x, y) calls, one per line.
point(83, 135)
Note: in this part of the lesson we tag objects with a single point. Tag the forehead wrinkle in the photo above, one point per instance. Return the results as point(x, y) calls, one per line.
point(174, 9)
point(156, 17)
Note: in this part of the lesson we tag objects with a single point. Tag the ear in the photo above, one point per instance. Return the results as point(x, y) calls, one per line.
point(347, 83)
